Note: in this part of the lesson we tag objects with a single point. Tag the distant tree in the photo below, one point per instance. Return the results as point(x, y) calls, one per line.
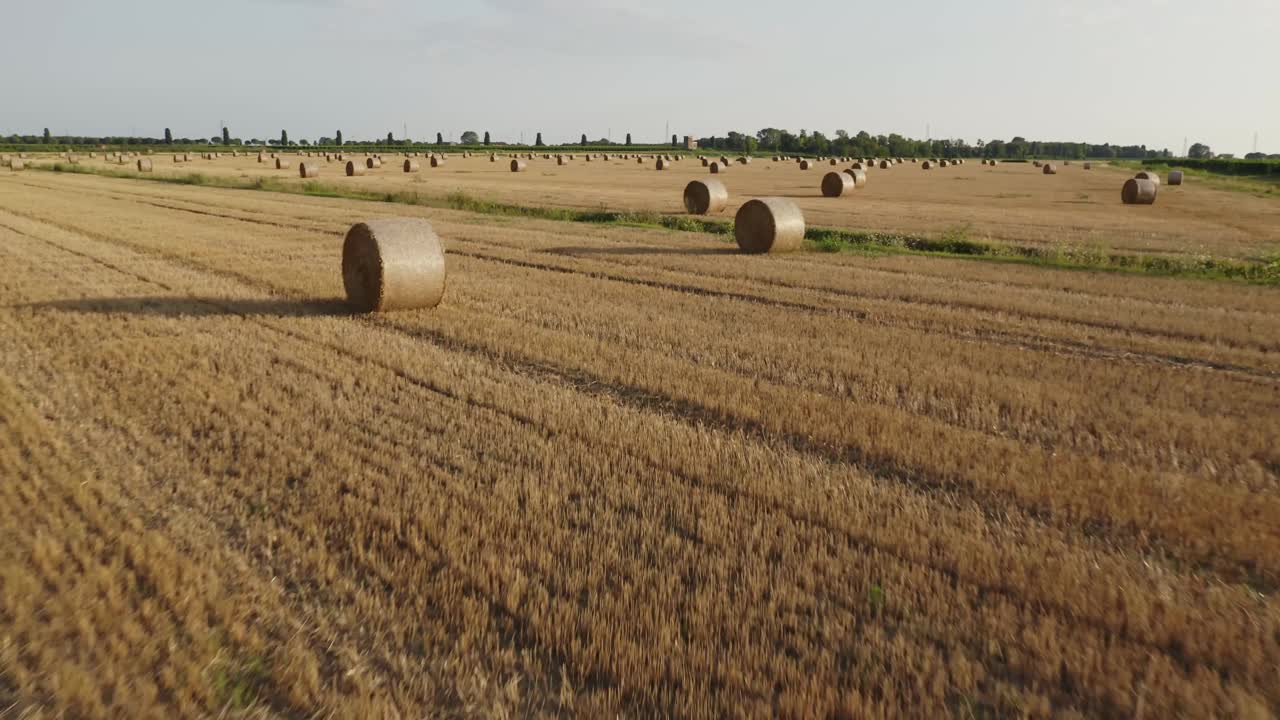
point(226, 136)
point(486, 137)
point(390, 139)
point(46, 136)
point(168, 136)
point(1199, 150)
point(469, 138)
point(584, 138)
point(337, 138)
point(674, 142)
point(628, 138)
point(284, 138)
point(304, 141)
point(538, 141)
point(439, 139)
point(215, 140)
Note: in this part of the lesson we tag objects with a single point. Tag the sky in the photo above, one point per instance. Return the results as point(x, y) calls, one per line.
point(1153, 72)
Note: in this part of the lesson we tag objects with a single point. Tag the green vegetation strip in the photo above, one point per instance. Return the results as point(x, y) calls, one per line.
point(954, 243)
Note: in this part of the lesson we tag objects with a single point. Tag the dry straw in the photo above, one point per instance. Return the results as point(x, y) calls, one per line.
point(662, 164)
point(702, 197)
point(1139, 191)
point(393, 264)
point(859, 177)
point(144, 164)
point(804, 164)
point(373, 163)
point(1087, 166)
point(411, 165)
point(835, 184)
point(1050, 169)
point(436, 161)
point(770, 224)
point(16, 164)
point(354, 168)
point(706, 162)
point(926, 165)
point(1175, 177)
point(885, 164)
point(717, 168)
point(282, 164)
point(518, 166)
point(308, 170)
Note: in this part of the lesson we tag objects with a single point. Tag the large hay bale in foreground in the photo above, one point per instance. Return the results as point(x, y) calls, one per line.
point(835, 184)
point(702, 197)
point(859, 177)
point(393, 264)
point(411, 165)
point(518, 166)
point(354, 169)
point(308, 170)
point(144, 164)
point(770, 224)
point(282, 164)
point(1175, 177)
point(1050, 169)
point(1139, 191)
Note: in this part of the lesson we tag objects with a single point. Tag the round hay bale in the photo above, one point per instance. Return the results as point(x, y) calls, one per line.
point(518, 166)
point(1050, 169)
point(943, 163)
point(835, 184)
point(1037, 163)
point(437, 161)
point(411, 165)
point(372, 163)
point(833, 161)
point(885, 164)
point(1148, 175)
point(1139, 191)
point(1088, 166)
point(177, 158)
point(702, 197)
point(639, 160)
point(262, 157)
point(144, 164)
point(354, 169)
point(16, 164)
point(493, 157)
point(717, 168)
point(662, 164)
point(926, 165)
point(604, 156)
point(308, 170)
point(775, 158)
point(744, 160)
point(706, 162)
point(282, 164)
point(859, 177)
point(805, 164)
point(1175, 177)
point(393, 264)
point(770, 224)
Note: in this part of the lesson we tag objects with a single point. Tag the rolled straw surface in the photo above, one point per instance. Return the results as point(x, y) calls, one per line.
point(393, 264)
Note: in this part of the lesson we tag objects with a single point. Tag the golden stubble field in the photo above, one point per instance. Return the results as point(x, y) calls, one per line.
point(1011, 203)
point(617, 472)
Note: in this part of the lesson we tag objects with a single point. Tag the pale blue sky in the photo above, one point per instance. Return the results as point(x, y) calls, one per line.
point(1141, 71)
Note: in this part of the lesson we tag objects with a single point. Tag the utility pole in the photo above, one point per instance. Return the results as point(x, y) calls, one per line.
point(1184, 146)
point(1255, 141)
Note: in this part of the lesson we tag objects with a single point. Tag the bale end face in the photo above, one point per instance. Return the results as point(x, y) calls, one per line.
point(411, 166)
point(859, 177)
point(308, 170)
point(354, 169)
point(1050, 169)
point(1175, 177)
point(393, 264)
point(702, 197)
point(805, 164)
point(518, 166)
point(770, 224)
point(144, 165)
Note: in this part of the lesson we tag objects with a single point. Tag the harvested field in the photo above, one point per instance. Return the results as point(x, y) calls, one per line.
point(1010, 203)
point(624, 471)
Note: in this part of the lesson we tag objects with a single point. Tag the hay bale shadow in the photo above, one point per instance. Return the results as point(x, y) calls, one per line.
point(162, 306)
point(642, 250)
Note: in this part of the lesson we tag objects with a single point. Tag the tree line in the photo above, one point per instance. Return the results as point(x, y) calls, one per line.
point(861, 144)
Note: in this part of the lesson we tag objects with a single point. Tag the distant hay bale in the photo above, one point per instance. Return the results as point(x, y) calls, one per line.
point(1175, 177)
point(282, 164)
point(744, 160)
point(706, 162)
point(858, 166)
point(926, 165)
point(833, 161)
point(662, 164)
point(1139, 191)
point(724, 160)
point(437, 161)
point(775, 158)
point(1088, 166)
point(144, 164)
point(411, 165)
point(308, 170)
point(1050, 169)
point(885, 164)
point(1037, 163)
point(372, 163)
point(16, 164)
point(393, 264)
point(835, 184)
point(518, 166)
point(859, 177)
point(639, 160)
point(493, 157)
point(943, 163)
point(177, 158)
point(354, 169)
point(770, 224)
point(604, 156)
point(717, 168)
point(702, 197)
point(805, 164)
point(262, 157)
